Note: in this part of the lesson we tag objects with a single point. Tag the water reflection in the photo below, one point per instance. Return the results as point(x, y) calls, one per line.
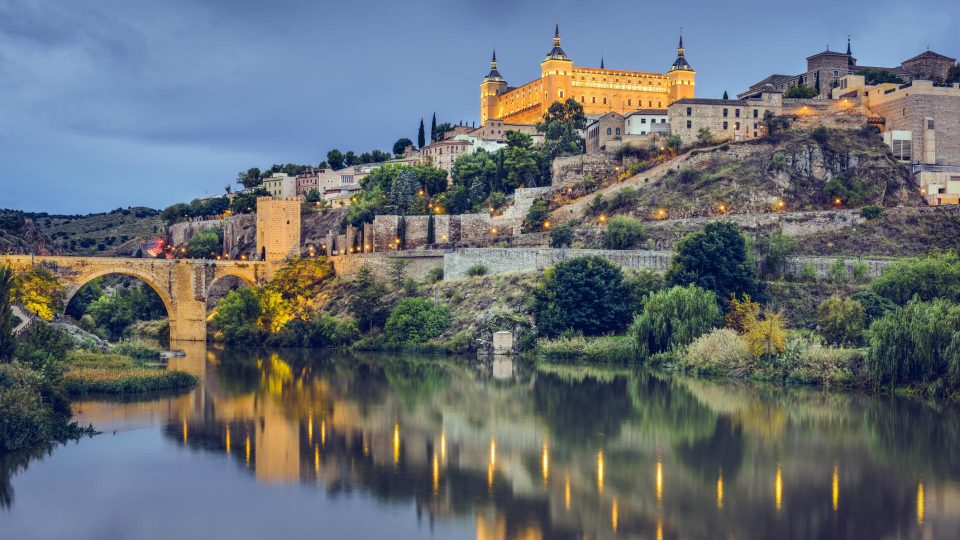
point(567, 452)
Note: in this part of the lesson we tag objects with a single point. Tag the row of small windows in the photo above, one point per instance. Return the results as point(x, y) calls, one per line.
point(593, 99)
point(610, 131)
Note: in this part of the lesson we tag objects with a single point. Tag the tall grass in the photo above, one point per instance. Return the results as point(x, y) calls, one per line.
point(603, 349)
point(117, 374)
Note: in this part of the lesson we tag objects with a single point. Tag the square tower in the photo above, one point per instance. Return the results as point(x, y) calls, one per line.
point(278, 228)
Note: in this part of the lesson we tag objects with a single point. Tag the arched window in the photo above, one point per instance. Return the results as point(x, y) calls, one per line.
point(609, 131)
point(618, 131)
point(561, 94)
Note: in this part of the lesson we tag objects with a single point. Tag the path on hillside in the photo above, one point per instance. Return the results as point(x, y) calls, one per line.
point(25, 318)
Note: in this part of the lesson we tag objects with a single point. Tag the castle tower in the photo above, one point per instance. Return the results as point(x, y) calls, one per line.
point(490, 89)
point(556, 72)
point(278, 228)
point(681, 76)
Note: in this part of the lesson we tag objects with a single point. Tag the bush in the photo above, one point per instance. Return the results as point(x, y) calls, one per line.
point(674, 317)
point(642, 283)
point(871, 211)
point(587, 294)
point(718, 259)
point(321, 331)
point(838, 271)
point(477, 270)
point(32, 410)
point(137, 350)
point(861, 270)
point(741, 314)
point(841, 320)
point(717, 353)
point(623, 232)
point(874, 306)
point(415, 320)
point(588, 349)
point(808, 273)
point(205, 244)
point(779, 247)
point(538, 213)
point(561, 236)
point(236, 317)
point(766, 336)
point(919, 342)
point(933, 276)
point(435, 275)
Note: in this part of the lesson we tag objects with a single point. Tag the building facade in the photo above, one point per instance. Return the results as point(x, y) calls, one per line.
point(278, 228)
point(599, 91)
point(316, 179)
point(647, 122)
point(726, 119)
point(281, 185)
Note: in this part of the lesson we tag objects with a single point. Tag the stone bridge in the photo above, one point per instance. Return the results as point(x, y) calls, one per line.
point(182, 284)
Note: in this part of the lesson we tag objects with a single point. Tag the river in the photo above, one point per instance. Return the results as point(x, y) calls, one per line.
point(318, 444)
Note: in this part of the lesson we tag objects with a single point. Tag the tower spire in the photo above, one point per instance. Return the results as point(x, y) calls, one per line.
point(601, 62)
point(681, 62)
point(556, 53)
point(494, 74)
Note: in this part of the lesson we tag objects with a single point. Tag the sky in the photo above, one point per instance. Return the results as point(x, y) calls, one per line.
point(117, 103)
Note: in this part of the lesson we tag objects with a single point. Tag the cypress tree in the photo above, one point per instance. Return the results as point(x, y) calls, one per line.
point(816, 86)
point(431, 235)
point(725, 95)
point(433, 128)
point(421, 137)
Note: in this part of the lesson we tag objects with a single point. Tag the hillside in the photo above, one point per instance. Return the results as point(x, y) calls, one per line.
point(798, 170)
point(118, 232)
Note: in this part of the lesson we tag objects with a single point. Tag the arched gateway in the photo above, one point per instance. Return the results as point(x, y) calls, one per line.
point(182, 284)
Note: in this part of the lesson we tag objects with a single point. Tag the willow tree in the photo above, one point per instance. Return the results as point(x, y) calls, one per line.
point(674, 317)
point(919, 342)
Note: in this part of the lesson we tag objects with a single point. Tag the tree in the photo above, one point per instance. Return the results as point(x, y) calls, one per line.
point(919, 342)
point(250, 178)
point(112, 313)
point(6, 314)
point(874, 306)
point(561, 127)
point(717, 259)
point(403, 191)
point(623, 232)
point(725, 96)
point(433, 127)
point(584, 294)
point(398, 271)
point(936, 275)
point(366, 303)
point(561, 236)
point(415, 320)
point(766, 336)
point(335, 159)
point(421, 136)
point(841, 320)
point(302, 279)
point(205, 244)
point(674, 142)
point(880, 76)
point(236, 316)
point(779, 247)
point(705, 137)
point(801, 91)
point(953, 75)
point(37, 290)
point(536, 216)
point(401, 145)
point(313, 196)
point(350, 158)
point(674, 318)
point(441, 130)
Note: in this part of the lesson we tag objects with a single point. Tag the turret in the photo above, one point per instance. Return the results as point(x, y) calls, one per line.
point(555, 72)
point(490, 89)
point(681, 75)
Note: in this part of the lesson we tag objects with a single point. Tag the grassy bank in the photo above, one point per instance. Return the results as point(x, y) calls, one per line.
point(603, 349)
point(112, 373)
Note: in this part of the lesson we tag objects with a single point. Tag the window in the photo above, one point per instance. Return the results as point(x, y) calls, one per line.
point(604, 101)
point(736, 112)
point(689, 124)
point(929, 123)
point(650, 103)
point(618, 131)
point(561, 94)
point(582, 98)
point(609, 131)
point(593, 99)
point(756, 113)
point(902, 149)
point(689, 112)
point(725, 125)
point(725, 111)
point(659, 106)
point(736, 126)
point(643, 120)
point(836, 73)
point(629, 103)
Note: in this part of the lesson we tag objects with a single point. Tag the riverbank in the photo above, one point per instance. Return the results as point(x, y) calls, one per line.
point(112, 373)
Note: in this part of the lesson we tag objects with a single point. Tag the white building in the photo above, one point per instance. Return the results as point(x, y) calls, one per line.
point(281, 185)
point(647, 122)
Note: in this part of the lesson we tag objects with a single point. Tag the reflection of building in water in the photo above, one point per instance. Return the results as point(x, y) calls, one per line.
point(551, 456)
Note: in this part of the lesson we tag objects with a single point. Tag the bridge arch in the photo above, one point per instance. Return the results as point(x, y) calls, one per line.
point(80, 281)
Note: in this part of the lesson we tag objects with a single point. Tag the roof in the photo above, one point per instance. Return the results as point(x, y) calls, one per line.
point(556, 53)
point(930, 54)
point(894, 70)
point(649, 112)
point(706, 101)
point(827, 52)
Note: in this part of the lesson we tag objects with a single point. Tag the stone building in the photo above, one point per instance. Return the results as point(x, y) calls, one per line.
point(496, 130)
point(281, 185)
point(316, 179)
point(600, 91)
point(278, 228)
point(726, 119)
point(604, 133)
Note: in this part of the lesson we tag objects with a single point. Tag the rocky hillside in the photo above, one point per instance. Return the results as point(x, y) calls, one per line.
point(118, 232)
point(799, 170)
point(20, 234)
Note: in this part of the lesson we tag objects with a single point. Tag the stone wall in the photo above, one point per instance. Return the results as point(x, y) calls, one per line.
point(569, 170)
point(821, 265)
point(499, 260)
point(179, 234)
point(909, 114)
point(461, 229)
point(419, 263)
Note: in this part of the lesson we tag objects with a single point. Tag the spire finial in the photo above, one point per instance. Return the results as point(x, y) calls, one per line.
point(681, 38)
point(494, 56)
point(848, 45)
point(601, 62)
point(556, 36)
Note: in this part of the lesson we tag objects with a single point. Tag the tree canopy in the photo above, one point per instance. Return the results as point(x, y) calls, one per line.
point(717, 259)
point(561, 127)
point(583, 294)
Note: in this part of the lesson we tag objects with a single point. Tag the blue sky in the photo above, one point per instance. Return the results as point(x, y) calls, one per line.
point(109, 103)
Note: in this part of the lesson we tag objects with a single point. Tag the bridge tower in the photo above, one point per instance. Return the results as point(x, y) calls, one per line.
point(278, 228)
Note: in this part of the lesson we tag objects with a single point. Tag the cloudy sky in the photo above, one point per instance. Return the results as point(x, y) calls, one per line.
point(110, 103)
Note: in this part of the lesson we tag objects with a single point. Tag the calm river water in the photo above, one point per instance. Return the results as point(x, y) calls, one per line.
point(294, 444)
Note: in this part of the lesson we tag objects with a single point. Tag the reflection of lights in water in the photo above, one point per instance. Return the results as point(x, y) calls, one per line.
point(323, 432)
point(228, 439)
point(546, 463)
point(778, 488)
point(600, 471)
point(396, 444)
point(720, 491)
point(246, 445)
point(443, 446)
point(310, 430)
point(659, 528)
point(613, 516)
point(184, 430)
point(566, 494)
point(835, 484)
point(659, 480)
point(316, 459)
point(436, 473)
point(492, 464)
point(920, 502)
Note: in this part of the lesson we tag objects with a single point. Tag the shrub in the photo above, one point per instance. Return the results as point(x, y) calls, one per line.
point(642, 283)
point(205, 244)
point(874, 306)
point(718, 259)
point(587, 294)
point(623, 232)
point(322, 331)
point(766, 336)
point(871, 211)
point(861, 270)
point(674, 317)
point(561, 236)
point(415, 320)
point(38, 291)
point(933, 276)
point(841, 320)
point(779, 247)
point(808, 273)
point(538, 213)
point(919, 342)
point(741, 314)
point(477, 270)
point(236, 317)
point(435, 275)
point(588, 349)
point(136, 349)
point(717, 352)
point(32, 410)
point(837, 270)
point(398, 271)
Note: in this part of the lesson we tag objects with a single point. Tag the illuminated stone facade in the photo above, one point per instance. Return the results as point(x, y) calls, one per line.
point(600, 91)
point(278, 228)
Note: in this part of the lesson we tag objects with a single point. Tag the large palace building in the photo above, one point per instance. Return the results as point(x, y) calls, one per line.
point(600, 91)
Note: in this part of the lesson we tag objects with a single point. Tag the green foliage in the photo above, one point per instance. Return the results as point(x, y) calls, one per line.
point(779, 162)
point(301, 279)
point(874, 306)
point(585, 294)
point(318, 331)
point(477, 270)
point(675, 142)
point(116, 374)
point(536, 216)
point(841, 320)
point(953, 75)
point(717, 259)
point(37, 290)
point(197, 208)
point(42, 348)
point(245, 203)
point(871, 211)
point(837, 271)
point(674, 318)
point(848, 188)
point(705, 137)
point(642, 283)
point(366, 302)
point(919, 342)
point(398, 271)
point(561, 236)
point(875, 76)
point(861, 271)
point(561, 126)
point(435, 275)
point(236, 317)
point(112, 313)
point(6, 314)
point(336, 159)
point(415, 320)
point(205, 244)
point(136, 350)
point(623, 232)
point(808, 273)
point(800, 91)
point(32, 409)
point(780, 246)
point(598, 349)
point(250, 178)
point(936, 275)
point(717, 353)
point(403, 192)
point(401, 145)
